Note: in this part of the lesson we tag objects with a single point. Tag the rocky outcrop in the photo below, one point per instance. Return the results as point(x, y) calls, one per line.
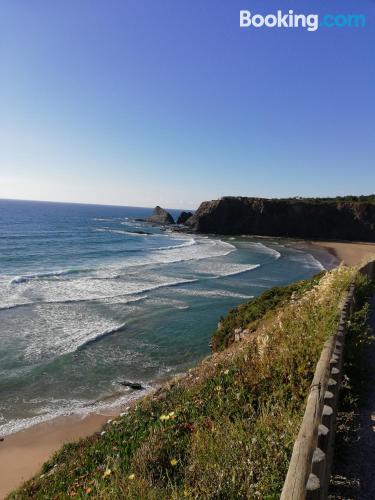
point(161, 216)
point(132, 385)
point(184, 216)
point(300, 218)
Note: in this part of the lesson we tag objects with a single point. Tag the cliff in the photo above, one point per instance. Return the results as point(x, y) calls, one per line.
point(184, 216)
point(300, 218)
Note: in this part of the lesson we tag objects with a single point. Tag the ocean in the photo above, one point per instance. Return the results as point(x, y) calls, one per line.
point(91, 297)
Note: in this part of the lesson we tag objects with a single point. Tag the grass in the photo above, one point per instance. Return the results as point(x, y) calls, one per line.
point(223, 431)
point(247, 316)
point(355, 383)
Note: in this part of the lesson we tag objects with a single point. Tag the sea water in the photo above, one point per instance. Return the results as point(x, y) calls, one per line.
point(90, 296)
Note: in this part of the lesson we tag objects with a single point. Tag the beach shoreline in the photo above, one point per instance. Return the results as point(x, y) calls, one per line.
point(23, 453)
point(348, 253)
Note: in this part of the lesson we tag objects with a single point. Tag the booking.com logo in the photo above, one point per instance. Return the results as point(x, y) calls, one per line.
point(310, 21)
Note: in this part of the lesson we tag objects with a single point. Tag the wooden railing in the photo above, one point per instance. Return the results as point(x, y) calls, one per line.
point(310, 465)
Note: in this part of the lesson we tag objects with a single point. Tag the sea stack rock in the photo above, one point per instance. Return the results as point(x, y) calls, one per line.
point(161, 216)
point(184, 216)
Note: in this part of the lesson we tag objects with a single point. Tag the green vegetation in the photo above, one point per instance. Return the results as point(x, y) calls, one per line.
point(223, 431)
point(247, 316)
point(339, 199)
point(355, 380)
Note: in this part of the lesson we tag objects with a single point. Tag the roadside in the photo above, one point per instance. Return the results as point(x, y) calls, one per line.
point(354, 460)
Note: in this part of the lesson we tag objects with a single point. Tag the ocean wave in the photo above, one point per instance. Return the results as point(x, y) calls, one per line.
point(50, 274)
point(122, 231)
point(188, 243)
point(102, 335)
point(214, 293)
point(245, 269)
point(307, 260)
point(110, 298)
point(268, 250)
point(63, 408)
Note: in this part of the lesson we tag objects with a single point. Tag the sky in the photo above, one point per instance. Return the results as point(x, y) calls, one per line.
point(145, 102)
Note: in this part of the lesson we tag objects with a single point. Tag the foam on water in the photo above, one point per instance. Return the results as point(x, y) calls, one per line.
point(213, 293)
point(307, 260)
point(63, 408)
point(87, 301)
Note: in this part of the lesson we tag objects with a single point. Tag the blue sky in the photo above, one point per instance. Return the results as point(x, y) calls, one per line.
point(144, 102)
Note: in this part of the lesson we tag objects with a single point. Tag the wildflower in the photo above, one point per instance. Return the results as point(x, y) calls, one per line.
point(107, 473)
point(171, 414)
point(164, 417)
point(173, 462)
point(131, 477)
point(109, 421)
point(102, 433)
point(218, 387)
point(226, 372)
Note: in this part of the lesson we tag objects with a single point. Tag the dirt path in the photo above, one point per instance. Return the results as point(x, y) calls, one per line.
point(354, 477)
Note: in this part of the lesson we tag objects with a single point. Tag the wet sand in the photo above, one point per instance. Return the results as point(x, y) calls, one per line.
point(23, 453)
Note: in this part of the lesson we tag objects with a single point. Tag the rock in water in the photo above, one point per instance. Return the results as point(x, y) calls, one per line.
point(161, 216)
point(184, 216)
point(133, 385)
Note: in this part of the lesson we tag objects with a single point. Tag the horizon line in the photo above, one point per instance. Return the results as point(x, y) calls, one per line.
point(91, 204)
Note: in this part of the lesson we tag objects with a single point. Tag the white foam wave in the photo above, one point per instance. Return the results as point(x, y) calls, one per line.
point(268, 250)
point(307, 260)
point(49, 274)
point(73, 329)
point(120, 231)
point(101, 335)
point(215, 270)
point(213, 293)
point(63, 408)
point(187, 243)
point(244, 269)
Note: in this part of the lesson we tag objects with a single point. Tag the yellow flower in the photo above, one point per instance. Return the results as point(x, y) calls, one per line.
point(131, 477)
point(218, 387)
point(226, 372)
point(164, 417)
point(171, 414)
point(173, 462)
point(107, 473)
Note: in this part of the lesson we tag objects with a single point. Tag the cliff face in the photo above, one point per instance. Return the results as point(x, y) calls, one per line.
point(290, 218)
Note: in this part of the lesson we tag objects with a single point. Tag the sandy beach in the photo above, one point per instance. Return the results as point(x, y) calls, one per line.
point(23, 453)
point(348, 253)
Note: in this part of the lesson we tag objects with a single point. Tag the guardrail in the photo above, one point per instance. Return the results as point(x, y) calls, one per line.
point(310, 465)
